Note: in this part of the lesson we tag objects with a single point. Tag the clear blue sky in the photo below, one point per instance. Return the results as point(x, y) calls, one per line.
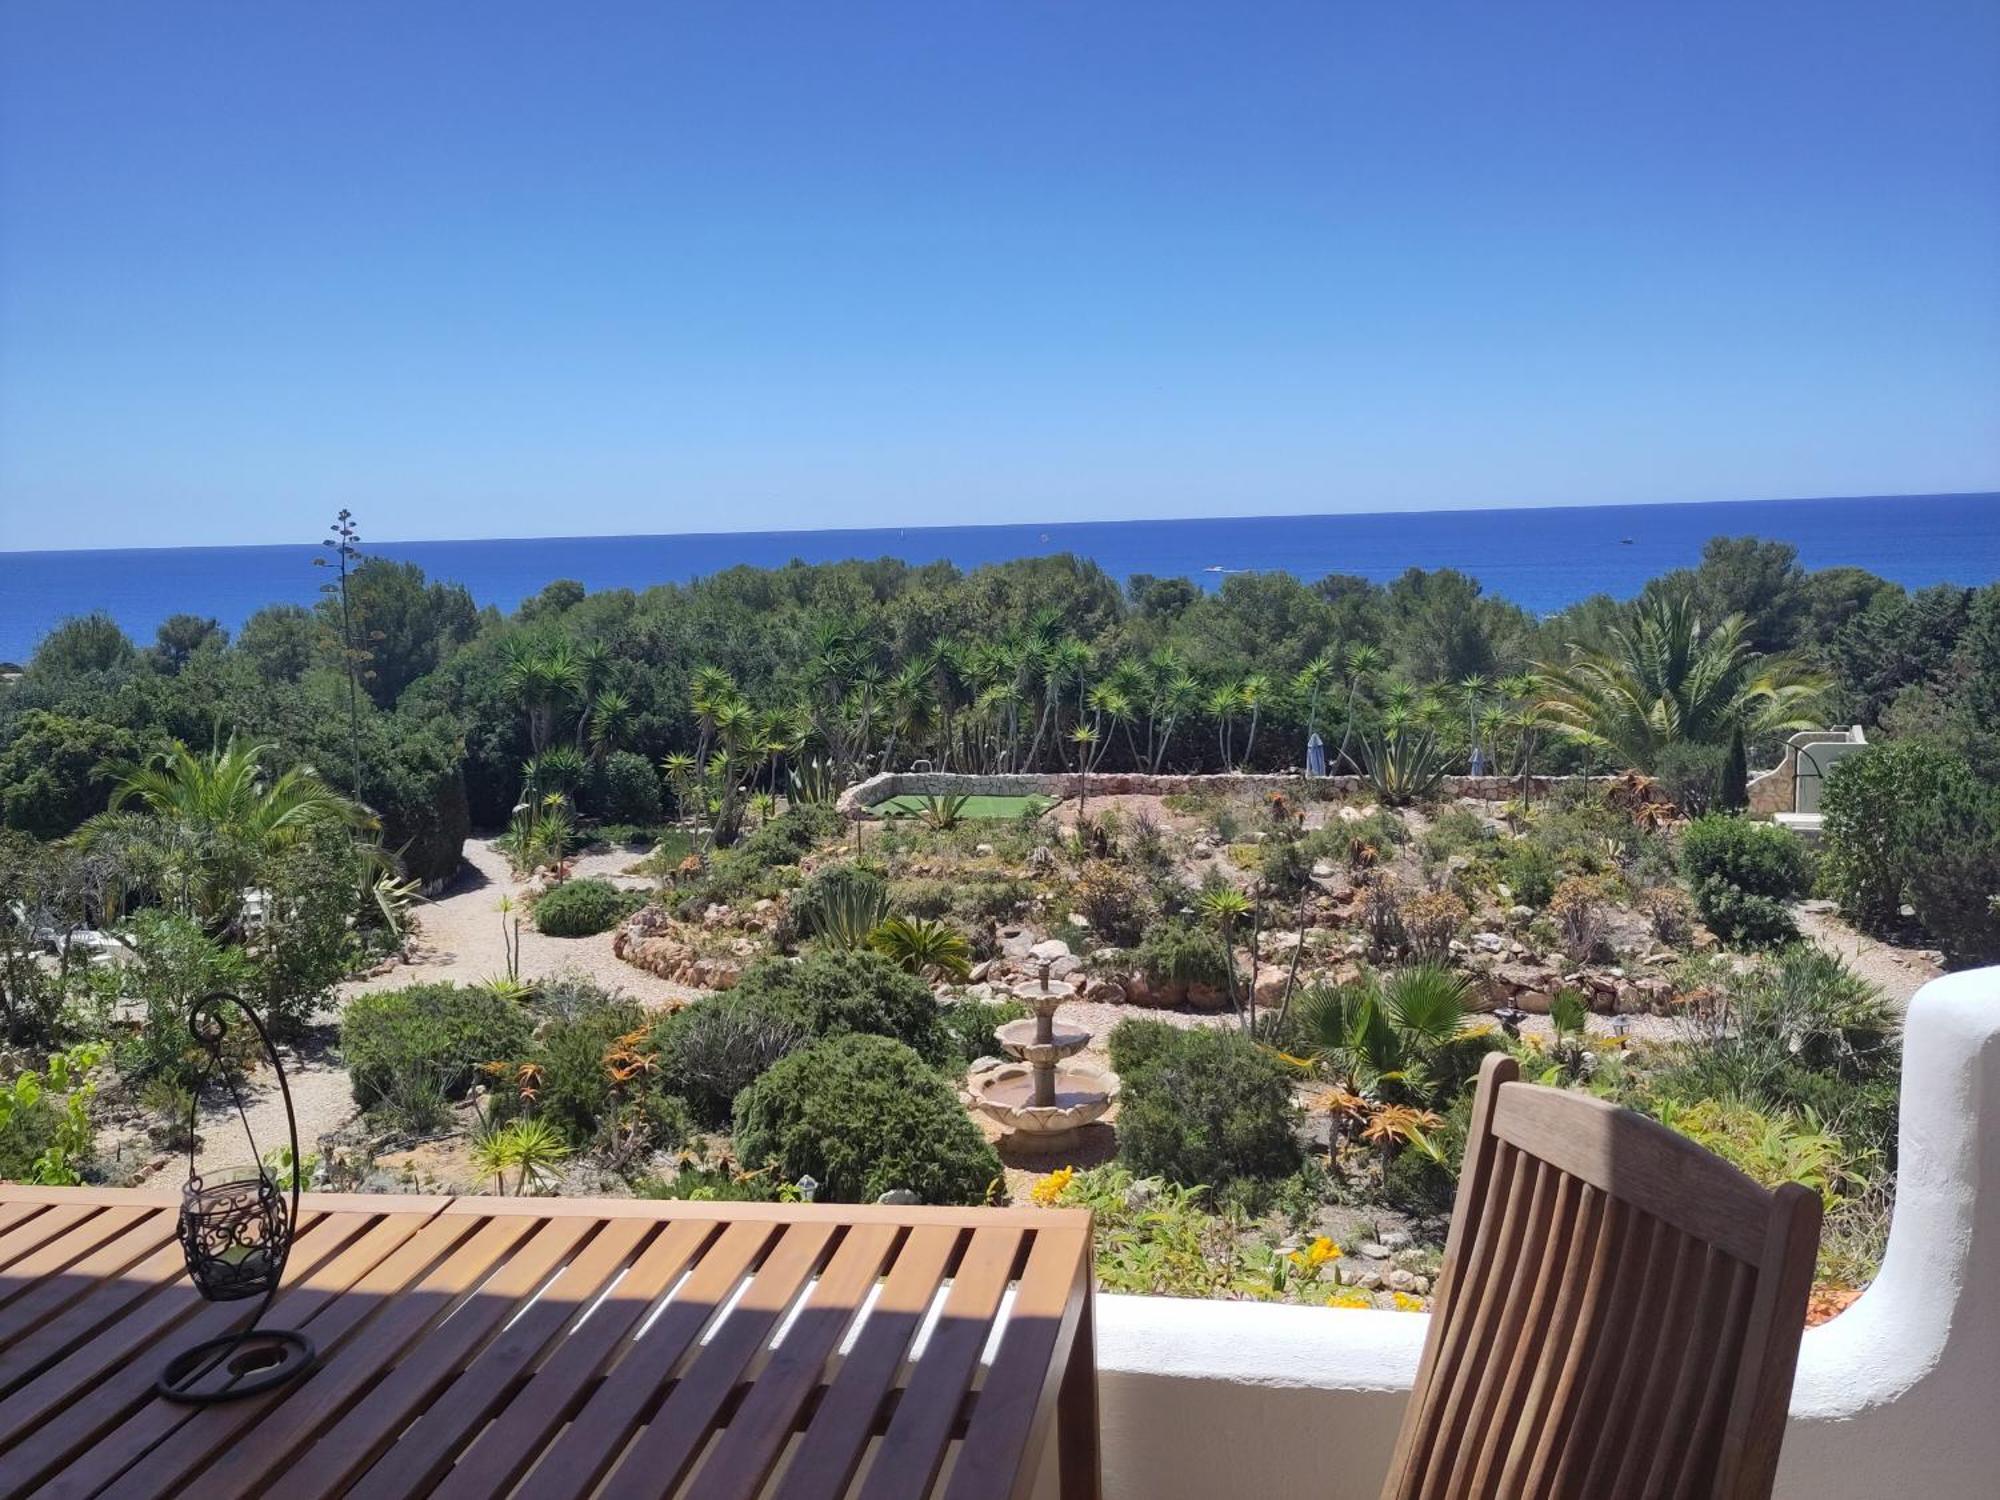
point(528, 269)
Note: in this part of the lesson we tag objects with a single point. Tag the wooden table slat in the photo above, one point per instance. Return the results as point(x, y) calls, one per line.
point(557, 1349)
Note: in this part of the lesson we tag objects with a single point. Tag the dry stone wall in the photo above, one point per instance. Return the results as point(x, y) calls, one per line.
point(857, 799)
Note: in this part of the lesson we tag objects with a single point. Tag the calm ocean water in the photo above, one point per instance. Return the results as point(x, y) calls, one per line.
point(1541, 559)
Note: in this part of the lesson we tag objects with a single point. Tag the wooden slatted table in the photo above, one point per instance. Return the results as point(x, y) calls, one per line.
point(476, 1347)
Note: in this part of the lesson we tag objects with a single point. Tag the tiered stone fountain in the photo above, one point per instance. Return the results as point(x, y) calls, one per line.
point(1046, 1095)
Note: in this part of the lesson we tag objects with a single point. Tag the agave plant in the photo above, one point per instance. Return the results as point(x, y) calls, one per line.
point(925, 947)
point(942, 813)
point(813, 783)
point(849, 915)
point(1403, 765)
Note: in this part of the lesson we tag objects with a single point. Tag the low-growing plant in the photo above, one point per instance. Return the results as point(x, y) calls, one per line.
point(1531, 872)
point(532, 1149)
point(928, 949)
point(1176, 954)
point(863, 1115)
point(45, 1128)
point(1431, 920)
point(1113, 900)
point(1669, 912)
point(1403, 765)
point(583, 908)
point(840, 905)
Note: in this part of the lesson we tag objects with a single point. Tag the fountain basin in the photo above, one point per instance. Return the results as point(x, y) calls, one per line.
point(1005, 1093)
point(1018, 1039)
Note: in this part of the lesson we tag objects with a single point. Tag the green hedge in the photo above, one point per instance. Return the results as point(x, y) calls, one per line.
point(863, 1115)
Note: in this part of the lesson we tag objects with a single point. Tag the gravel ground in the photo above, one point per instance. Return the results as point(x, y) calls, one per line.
point(459, 940)
point(1898, 972)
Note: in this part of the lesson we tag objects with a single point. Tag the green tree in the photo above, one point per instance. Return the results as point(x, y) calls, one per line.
point(80, 646)
point(1666, 680)
point(58, 771)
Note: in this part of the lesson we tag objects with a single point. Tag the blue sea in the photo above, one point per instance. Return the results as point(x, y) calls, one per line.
point(1541, 559)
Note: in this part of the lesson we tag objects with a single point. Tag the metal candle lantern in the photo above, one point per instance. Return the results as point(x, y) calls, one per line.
point(236, 1232)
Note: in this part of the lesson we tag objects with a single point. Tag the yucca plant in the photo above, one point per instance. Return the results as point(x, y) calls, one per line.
point(928, 948)
point(943, 813)
point(849, 913)
point(532, 1149)
point(813, 783)
point(1403, 765)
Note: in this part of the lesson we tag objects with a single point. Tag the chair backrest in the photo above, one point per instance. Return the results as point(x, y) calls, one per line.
point(1618, 1315)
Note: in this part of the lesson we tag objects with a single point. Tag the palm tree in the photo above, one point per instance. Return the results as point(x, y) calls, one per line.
point(1399, 1039)
point(216, 817)
point(1255, 692)
point(1223, 702)
point(1666, 680)
point(547, 679)
point(1363, 663)
point(1225, 906)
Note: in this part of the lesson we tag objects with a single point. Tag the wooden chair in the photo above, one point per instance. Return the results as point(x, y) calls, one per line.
point(1618, 1315)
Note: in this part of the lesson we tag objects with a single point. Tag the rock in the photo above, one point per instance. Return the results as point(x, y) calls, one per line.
point(983, 850)
point(1371, 1250)
point(1396, 1239)
point(1269, 986)
point(1322, 870)
point(1520, 916)
point(1139, 990)
point(1063, 968)
point(1203, 851)
point(1078, 919)
point(1371, 1280)
point(1205, 997)
point(1049, 950)
point(1105, 992)
point(1820, 907)
point(1015, 942)
point(1350, 815)
point(1401, 1281)
point(899, 1197)
point(1489, 942)
point(978, 972)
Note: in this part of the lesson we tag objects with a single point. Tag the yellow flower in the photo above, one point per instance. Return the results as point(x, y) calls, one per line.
point(1322, 1251)
point(1406, 1303)
point(1051, 1188)
point(1350, 1296)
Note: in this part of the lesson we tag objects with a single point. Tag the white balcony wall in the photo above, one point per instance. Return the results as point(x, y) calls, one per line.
point(1898, 1397)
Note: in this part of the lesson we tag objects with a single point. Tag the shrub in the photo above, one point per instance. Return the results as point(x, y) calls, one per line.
point(1742, 874)
point(1175, 954)
point(1430, 922)
point(829, 994)
point(409, 1050)
point(573, 1072)
point(1112, 900)
point(928, 949)
point(45, 1129)
point(713, 1050)
point(1694, 776)
point(1381, 913)
point(864, 1115)
point(581, 908)
point(1909, 820)
point(971, 1024)
point(1577, 909)
point(921, 899)
point(1204, 1107)
point(623, 788)
point(1669, 912)
point(749, 866)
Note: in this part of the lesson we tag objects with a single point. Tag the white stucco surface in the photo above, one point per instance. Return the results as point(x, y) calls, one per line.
point(1897, 1397)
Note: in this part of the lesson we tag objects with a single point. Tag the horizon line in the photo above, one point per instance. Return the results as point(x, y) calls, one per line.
point(1432, 510)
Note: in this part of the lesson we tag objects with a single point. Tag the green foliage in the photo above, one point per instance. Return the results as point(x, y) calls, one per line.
point(532, 1149)
point(971, 1024)
point(747, 868)
point(1911, 820)
point(1175, 954)
point(581, 908)
point(1694, 777)
point(81, 646)
point(58, 770)
point(1742, 874)
point(1113, 900)
point(1403, 766)
point(831, 993)
point(623, 788)
point(407, 1050)
point(1531, 872)
point(45, 1129)
point(1203, 1107)
point(928, 949)
point(711, 1051)
point(840, 905)
point(863, 1115)
point(174, 964)
point(1400, 1038)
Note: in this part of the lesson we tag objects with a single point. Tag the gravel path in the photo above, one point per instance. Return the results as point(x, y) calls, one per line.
point(1898, 972)
point(459, 939)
